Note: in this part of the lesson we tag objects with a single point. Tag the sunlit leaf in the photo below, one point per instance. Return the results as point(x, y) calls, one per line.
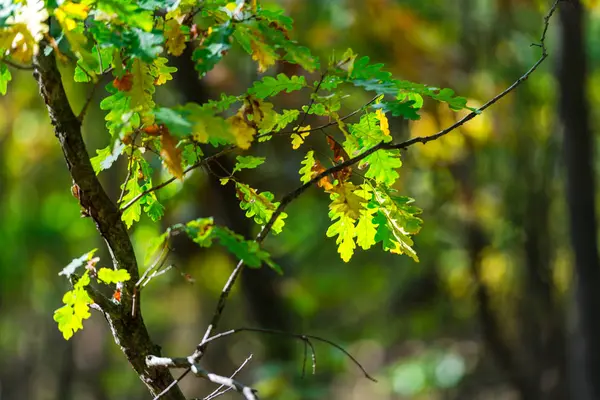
point(108, 275)
point(248, 162)
point(270, 86)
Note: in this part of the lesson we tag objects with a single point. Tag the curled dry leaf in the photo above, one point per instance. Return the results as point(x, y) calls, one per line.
point(339, 156)
point(324, 182)
point(171, 154)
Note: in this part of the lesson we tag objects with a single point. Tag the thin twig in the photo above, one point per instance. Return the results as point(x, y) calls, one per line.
point(172, 384)
point(246, 391)
point(327, 125)
point(129, 168)
point(185, 362)
point(312, 102)
point(201, 348)
point(156, 273)
point(313, 357)
point(16, 65)
point(298, 336)
point(217, 392)
point(188, 169)
point(88, 101)
point(159, 261)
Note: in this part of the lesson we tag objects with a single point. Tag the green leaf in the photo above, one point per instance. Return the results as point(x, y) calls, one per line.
point(203, 232)
point(108, 275)
point(80, 76)
point(365, 134)
point(278, 122)
point(404, 109)
point(270, 86)
point(306, 171)
point(5, 77)
point(294, 53)
point(259, 206)
point(382, 166)
point(144, 45)
point(106, 157)
point(120, 120)
point(455, 103)
point(191, 154)
point(365, 71)
point(278, 16)
point(397, 220)
point(133, 189)
point(213, 48)
point(380, 87)
point(128, 13)
point(366, 229)
point(243, 249)
point(345, 230)
point(152, 207)
point(134, 42)
point(175, 120)
point(70, 316)
point(247, 162)
point(76, 263)
point(161, 71)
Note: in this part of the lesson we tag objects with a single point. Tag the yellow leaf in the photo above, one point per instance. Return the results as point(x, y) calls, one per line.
point(19, 42)
point(66, 16)
point(141, 92)
point(24, 30)
point(242, 132)
point(346, 202)
point(171, 154)
point(383, 122)
point(175, 39)
point(76, 10)
point(263, 54)
point(298, 138)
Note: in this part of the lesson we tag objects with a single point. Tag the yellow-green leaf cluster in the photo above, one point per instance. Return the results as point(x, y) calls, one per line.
point(259, 206)
point(77, 308)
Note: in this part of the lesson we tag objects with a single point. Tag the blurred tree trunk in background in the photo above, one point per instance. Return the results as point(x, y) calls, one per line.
point(580, 187)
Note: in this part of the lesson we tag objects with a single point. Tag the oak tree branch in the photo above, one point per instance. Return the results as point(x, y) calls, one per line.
point(129, 332)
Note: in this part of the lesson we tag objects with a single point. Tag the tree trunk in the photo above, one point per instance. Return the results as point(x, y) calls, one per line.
point(580, 188)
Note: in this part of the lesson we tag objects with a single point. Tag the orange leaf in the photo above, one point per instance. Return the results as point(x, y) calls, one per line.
point(171, 154)
point(117, 295)
point(339, 156)
point(154, 130)
point(324, 182)
point(124, 83)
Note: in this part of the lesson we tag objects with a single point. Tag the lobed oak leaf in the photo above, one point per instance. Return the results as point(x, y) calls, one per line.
point(384, 124)
point(241, 130)
point(299, 136)
point(175, 38)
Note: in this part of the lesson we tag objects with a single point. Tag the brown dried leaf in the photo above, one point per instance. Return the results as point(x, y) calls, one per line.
point(171, 154)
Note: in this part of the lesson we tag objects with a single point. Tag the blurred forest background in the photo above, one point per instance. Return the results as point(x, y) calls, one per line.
point(484, 315)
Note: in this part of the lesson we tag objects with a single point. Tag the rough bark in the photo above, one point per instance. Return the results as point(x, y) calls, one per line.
point(129, 331)
point(580, 190)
